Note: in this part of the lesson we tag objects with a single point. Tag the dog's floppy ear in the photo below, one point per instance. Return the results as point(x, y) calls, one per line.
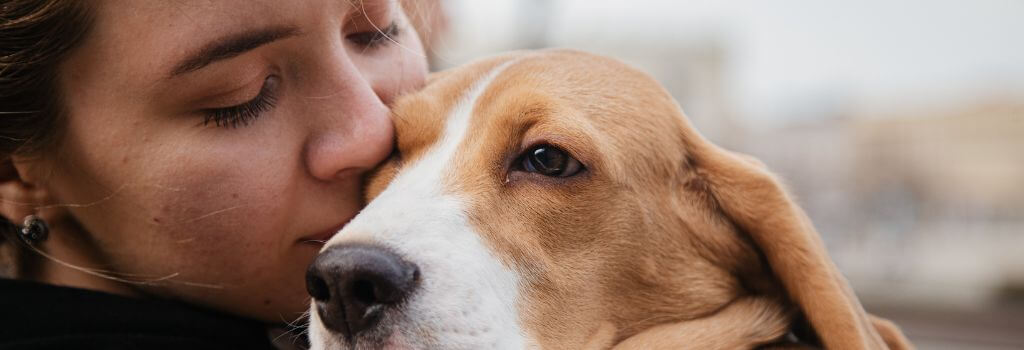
point(758, 205)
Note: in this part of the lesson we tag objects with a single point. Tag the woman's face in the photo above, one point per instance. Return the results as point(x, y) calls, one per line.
point(208, 142)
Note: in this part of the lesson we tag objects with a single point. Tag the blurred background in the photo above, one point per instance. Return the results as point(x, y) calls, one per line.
point(898, 125)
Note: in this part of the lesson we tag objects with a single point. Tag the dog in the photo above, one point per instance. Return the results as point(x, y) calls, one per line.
point(561, 200)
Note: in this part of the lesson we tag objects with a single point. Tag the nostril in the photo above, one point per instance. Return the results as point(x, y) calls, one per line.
point(364, 291)
point(317, 288)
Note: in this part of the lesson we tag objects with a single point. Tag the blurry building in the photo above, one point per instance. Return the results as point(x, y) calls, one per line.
point(926, 202)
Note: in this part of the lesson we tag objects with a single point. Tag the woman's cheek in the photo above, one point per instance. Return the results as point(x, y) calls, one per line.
point(203, 210)
point(227, 204)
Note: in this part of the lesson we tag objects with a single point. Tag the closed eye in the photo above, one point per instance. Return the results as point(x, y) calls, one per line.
point(378, 37)
point(245, 113)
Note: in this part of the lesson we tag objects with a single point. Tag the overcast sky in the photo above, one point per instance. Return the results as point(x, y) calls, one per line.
point(874, 52)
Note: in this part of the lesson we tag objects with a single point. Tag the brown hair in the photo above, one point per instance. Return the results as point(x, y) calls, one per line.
point(35, 37)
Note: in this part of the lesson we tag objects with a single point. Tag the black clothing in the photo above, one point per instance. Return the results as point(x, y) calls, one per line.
point(41, 316)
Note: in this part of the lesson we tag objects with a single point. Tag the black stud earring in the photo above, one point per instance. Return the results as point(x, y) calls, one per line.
point(34, 230)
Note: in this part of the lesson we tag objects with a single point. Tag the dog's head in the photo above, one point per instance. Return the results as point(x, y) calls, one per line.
point(535, 196)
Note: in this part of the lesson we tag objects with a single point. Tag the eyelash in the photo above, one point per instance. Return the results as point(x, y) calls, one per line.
point(245, 113)
point(376, 38)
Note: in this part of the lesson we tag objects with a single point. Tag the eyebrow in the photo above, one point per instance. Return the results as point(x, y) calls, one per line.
point(230, 46)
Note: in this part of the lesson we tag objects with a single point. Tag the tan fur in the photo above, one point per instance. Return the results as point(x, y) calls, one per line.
point(745, 323)
point(665, 241)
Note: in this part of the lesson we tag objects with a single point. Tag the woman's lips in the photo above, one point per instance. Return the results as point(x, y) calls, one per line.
point(321, 238)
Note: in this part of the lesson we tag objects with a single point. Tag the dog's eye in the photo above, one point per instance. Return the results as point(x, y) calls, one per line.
point(549, 160)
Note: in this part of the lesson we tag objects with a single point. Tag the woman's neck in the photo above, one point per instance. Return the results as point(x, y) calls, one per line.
point(66, 261)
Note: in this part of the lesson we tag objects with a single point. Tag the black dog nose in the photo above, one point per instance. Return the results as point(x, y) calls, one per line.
point(353, 284)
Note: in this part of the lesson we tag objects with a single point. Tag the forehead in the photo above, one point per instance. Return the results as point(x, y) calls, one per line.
point(146, 37)
point(420, 118)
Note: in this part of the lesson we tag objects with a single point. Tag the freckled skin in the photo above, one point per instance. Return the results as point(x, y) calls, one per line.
point(219, 214)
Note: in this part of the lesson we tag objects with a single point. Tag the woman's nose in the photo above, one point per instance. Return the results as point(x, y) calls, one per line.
point(350, 147)
point(352, 129)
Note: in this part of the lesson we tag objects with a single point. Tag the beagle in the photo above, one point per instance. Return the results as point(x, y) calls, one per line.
point(561, 200)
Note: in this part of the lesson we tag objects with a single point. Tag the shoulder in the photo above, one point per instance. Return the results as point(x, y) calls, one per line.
point(40, 316)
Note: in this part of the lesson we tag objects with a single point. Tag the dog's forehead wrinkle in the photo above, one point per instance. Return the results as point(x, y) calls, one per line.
point(439, 156)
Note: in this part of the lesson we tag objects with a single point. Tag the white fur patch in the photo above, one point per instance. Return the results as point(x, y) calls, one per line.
point(467, 298)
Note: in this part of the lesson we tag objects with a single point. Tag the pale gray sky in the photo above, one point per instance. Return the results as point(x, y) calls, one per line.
point(876, 54)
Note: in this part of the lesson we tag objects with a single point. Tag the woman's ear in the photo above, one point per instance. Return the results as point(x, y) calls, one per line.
point(21, 193)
